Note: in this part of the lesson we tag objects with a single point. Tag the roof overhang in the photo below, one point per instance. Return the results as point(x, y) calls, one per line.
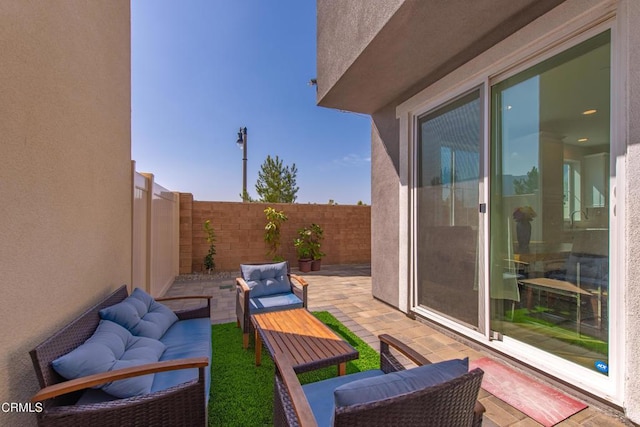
point(419, 43)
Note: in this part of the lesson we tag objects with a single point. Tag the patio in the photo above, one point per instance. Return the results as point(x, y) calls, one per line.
point(345, 291)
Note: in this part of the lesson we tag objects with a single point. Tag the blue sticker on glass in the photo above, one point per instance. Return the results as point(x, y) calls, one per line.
point(602, 366)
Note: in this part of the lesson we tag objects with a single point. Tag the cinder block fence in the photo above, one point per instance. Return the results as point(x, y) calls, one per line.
point(239, 231)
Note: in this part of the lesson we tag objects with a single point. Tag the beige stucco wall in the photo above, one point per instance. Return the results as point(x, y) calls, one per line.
point(371, 53)
point(630, 19)
point(65, 172)
point(345, 28)
point(385, 198)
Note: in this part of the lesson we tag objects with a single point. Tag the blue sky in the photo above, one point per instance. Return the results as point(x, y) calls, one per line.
point(203, 68)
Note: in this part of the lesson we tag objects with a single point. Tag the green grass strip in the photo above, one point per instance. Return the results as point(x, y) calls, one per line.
point(242, 393)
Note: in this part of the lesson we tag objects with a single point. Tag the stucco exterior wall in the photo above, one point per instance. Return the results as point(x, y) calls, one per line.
point(385, 192)
point(371, 53)
point(344, 31)
point(631, 17)
point(65, 173)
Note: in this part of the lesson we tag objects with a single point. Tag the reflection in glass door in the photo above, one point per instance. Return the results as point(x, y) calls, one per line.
point(448, 159)
point(549, 217)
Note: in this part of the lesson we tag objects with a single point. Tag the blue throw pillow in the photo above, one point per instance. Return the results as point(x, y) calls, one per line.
point(112, 347)
point(141, 315)
point(266, 279)
point(396, 383)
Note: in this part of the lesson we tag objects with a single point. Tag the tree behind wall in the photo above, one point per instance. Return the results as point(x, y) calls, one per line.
point(276, 182)
point(529, 184)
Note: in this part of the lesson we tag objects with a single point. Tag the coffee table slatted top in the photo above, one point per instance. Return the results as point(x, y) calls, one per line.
point(309, 343)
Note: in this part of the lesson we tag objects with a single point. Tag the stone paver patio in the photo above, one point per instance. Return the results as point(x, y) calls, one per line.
point(345, 291)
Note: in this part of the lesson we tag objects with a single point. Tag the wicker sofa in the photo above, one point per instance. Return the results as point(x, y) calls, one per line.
point(451, 401)
point(182, 373)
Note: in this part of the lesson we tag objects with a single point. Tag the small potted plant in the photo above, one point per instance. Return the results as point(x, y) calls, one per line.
point(304, 248)
point(317, 235)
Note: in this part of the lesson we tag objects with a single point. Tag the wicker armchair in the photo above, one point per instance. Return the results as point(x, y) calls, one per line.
point(245, 308)
point(184, 404)
point(452, 403)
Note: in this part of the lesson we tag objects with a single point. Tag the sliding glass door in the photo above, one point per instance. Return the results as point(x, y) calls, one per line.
point(549, 216)
point(548, 178)
point(446, 197)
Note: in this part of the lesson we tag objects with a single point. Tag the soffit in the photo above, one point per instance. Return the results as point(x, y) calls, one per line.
point(422, 42)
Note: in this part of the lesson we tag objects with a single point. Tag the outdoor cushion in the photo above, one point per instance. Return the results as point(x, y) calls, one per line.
point(266, 279)
point(320, 394)
point(274, 302)
point(397, 383)
point(594, 271)
point(91, 396)
point(112, 347)
point(184, 339)
point(141, 315)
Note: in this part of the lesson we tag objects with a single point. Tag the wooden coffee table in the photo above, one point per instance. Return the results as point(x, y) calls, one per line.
point(560, 287)
point(308, 342)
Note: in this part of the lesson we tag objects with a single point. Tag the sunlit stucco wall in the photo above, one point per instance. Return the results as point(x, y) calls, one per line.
point(629, 18)
point(345, 28)
point(65, 172)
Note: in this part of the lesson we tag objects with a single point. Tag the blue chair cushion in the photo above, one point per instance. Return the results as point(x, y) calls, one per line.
point(320, 394)
point(396, 383)
point(141, 315)
point(185, 338)
point(594, 270)
point(112, 347)
point(266, 279)
point(274, 303)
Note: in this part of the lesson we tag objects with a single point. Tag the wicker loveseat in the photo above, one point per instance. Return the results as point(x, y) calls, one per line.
point(180, 378)
point(390, 396)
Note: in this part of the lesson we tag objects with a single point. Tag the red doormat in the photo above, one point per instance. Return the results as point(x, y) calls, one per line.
point(538, 401)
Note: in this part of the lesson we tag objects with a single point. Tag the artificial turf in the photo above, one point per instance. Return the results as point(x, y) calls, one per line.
point(242, 393)
point(525, 317)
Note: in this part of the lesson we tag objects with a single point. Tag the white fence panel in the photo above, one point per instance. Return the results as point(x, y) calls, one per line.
point(155, 241)
point(165, 219)
point(140, 233)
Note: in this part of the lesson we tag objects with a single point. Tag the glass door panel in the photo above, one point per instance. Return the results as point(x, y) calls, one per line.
point(448, 171)
point(549, 216)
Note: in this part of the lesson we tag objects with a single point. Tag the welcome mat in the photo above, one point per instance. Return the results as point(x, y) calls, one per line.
point(538, 401)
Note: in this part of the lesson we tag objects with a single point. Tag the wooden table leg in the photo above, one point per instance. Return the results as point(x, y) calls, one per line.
point(342, 369)
point(258, 348)
point(529, 298)
point(596, 308)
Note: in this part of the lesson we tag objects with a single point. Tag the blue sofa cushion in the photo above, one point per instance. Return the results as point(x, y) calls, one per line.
point(320, 394)
point(141, 315)
point(266, 279)
point(274, 302)
point(398, 383)
point(185, 338)
point(112, 347)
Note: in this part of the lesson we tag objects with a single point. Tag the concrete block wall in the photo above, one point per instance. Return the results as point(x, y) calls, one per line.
point(186, 235)
point(239, 231)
